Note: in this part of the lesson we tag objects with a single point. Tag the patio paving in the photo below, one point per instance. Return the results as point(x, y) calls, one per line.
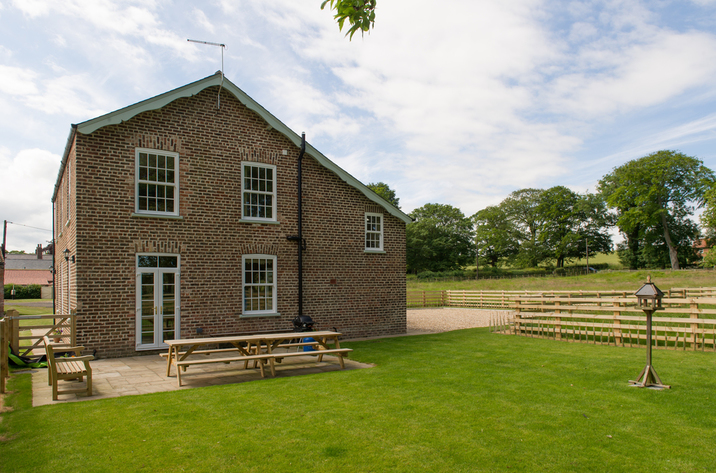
point(114, 377)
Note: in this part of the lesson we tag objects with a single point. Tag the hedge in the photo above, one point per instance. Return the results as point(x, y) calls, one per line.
point(33, 291)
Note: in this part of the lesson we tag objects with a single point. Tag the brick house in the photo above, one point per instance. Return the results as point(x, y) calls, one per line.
point(177, 217)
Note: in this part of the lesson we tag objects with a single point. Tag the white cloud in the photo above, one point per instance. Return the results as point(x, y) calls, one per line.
point(202, 19)
point(17, 81)
point(33, 8)
point(638, 76)
point(26, 195)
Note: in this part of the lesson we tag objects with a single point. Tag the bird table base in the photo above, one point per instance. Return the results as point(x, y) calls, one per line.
point(649, 379)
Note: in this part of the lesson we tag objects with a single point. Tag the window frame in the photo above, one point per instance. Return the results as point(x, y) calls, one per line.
point(138, 181)
point(273, 193)
point(273, 285)
point(366, 232)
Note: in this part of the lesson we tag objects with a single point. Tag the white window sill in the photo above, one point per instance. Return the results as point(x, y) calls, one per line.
point(266, 314)
point(260, 222)
point(145, 348)
point(168, 216)
point(378, 252)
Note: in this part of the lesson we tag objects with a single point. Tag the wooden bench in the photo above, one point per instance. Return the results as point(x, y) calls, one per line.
point(76, 367)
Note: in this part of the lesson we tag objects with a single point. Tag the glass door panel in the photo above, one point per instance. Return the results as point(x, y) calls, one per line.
point(168, 306)
point(148, 309)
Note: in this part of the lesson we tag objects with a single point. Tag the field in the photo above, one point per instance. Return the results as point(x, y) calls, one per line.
point(600, 258)
point(631, 280)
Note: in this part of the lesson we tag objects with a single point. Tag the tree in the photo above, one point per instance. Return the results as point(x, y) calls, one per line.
point(521, 206)
point(359, 13)
point(571, 221)
point(383, 190)
point(655, 195)
point(495, 235)
point(439, 239)
point(708, 217)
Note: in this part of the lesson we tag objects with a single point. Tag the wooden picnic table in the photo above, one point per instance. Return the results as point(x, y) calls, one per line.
point(259, 348)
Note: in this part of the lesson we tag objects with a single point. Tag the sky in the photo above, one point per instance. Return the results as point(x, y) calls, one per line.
point(456, 102)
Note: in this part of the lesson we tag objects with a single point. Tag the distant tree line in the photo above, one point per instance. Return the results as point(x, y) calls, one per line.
point(651, 200)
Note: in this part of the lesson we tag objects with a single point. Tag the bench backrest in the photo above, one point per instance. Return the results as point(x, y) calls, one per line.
point(50, 354)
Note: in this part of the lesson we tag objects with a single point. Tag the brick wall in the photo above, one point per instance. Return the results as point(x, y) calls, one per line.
point(2, 284)
point(358, 293)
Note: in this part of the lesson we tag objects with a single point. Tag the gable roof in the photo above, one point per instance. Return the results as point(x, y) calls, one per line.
point(189, 90)
point(29, 262)
point(25, 277)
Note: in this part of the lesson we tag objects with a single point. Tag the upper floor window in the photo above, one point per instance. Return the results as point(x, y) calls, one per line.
point(258, 195)
point(157, 182)
point(373, 232)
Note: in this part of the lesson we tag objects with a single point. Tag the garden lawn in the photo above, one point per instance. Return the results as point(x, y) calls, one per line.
point(460, 401)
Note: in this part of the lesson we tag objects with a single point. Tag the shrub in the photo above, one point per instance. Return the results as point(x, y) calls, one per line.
point(33, 291)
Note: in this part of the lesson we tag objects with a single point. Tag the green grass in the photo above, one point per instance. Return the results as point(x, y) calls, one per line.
point(461, 401)
point(21, 305)
point(600, 258)
point(606, 280)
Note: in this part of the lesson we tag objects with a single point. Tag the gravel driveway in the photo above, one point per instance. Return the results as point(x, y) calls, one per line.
point(446, 319)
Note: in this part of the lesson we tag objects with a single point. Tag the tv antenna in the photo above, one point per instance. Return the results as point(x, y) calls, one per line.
point(223, 46)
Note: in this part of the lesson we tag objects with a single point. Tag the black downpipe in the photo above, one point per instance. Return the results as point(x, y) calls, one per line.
point(54, 263)
point(299, 237)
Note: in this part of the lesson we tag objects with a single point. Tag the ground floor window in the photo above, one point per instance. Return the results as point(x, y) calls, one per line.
point(259, 284)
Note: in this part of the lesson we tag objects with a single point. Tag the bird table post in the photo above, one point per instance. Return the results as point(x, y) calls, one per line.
point(649, 298)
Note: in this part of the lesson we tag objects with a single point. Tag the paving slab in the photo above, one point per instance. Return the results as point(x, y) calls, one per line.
point(137, 375)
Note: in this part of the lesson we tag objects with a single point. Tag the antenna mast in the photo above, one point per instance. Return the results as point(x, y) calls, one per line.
point(223, 46)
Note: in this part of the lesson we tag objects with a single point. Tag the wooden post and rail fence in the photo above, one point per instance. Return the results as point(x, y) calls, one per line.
point(26, 339)
point(684, 324)
point(604, 317)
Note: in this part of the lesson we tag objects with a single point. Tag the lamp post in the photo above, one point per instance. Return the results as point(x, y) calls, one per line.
point(649, 298)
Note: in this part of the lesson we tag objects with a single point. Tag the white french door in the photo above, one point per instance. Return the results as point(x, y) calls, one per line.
point(158, 308)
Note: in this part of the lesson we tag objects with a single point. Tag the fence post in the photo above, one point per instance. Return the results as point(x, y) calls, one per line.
point(73, 323)
point(13, 329)
point(616, 326)
point(4, 358)
point(558, 321)
point(518, 316)
point(694, 306)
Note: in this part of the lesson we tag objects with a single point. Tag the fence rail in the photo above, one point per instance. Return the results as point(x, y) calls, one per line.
point(420, 299)
point(493, 299)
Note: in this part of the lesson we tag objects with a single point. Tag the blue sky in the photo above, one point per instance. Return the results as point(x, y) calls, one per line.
point(456, 102)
